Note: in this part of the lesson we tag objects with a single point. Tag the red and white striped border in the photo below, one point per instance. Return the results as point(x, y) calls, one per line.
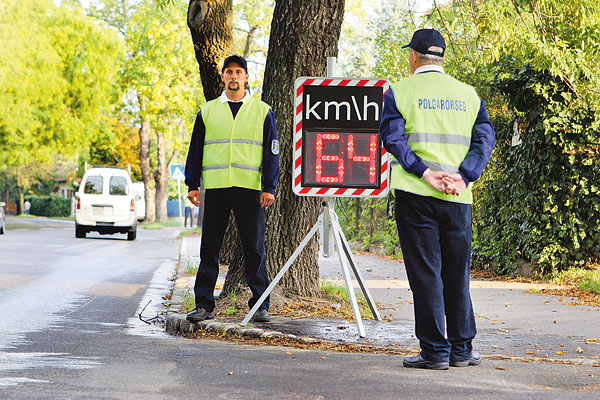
point(334, 192)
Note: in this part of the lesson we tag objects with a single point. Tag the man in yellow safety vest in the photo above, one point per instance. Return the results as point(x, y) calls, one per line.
point(235, 151)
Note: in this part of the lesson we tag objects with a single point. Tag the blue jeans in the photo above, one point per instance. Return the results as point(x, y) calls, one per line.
point(435, 236)
point(250, 220)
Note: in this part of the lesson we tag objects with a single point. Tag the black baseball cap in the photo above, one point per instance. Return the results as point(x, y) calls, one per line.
point(423, 39)
point(235, 59)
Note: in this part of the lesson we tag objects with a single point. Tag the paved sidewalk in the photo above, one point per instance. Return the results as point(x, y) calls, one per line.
point(514, 320)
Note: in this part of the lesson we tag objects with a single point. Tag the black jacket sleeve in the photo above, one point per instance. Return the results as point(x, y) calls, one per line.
point(193, 164)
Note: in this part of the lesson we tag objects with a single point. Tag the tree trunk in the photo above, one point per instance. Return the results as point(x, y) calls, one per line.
point(6, 193)
point(146, 168)
point(303, 35)
point(233, 255)
point(211, 26)
point(21, 200)
point(160, 178)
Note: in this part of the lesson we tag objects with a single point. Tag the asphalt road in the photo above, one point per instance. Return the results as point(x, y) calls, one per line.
point(69, 330)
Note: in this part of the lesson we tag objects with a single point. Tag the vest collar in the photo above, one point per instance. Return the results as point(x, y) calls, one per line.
point(225, 99)
point(429, 68)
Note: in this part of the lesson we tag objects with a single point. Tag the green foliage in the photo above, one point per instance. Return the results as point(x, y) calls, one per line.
point(541, 205)
point(366, 221)
point(51, 206)
point(57, 84)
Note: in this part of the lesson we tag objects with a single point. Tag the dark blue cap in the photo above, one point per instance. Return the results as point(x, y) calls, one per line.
point(423, 39)
point(237, 60)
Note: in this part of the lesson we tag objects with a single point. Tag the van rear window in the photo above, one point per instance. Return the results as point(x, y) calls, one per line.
point(93, 185)
point(118, 186)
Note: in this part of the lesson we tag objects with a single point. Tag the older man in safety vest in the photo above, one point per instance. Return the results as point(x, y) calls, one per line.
point(438, 130)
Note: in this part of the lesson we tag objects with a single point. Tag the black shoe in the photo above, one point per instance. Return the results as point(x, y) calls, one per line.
point(261, 316)
point(473, 359)
point(200, 314)
point(419, 362)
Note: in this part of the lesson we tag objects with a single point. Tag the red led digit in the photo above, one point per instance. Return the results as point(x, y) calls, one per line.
point(370, 159)
point(372, 163)
point(320, 158)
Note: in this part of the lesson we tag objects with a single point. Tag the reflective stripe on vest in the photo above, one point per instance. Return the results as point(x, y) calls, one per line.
point(439, 112)
point(233, 148)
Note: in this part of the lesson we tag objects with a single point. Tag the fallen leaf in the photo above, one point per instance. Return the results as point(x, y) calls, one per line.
point(507, 304)
point(579, 350)
point(554, 321)
point(560, 352)
point(502, 368)
point(230, 373)
point(322, 357)
point(389, 320)
point(288, 353)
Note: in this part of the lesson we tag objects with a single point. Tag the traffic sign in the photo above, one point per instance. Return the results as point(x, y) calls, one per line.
point(177, 173)
point(337, 149)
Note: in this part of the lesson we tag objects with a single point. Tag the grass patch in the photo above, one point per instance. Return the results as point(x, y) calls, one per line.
point(232, 307)
point(340, 294)
point(188, 302)
point(161, 225)
point(585, 279)
point(190, 232)
point(192, 267)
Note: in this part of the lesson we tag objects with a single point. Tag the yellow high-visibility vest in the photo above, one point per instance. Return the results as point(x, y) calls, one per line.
point(439, 112)
point(233, 148)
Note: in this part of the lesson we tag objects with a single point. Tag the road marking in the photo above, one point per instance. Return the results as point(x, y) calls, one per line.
point(114, 289)
point(9, 281)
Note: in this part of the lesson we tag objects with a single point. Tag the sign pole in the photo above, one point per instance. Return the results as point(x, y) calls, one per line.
point(328, 201)
point(179, 200)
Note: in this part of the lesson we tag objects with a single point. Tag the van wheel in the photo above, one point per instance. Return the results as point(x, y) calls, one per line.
point(131, 234)
point(79, 232)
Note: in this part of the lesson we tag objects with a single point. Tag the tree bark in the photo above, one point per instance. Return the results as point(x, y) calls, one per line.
point(21, 200)
point(146, 168)
point(160, 178)
point(211, 26)
point(303, 35)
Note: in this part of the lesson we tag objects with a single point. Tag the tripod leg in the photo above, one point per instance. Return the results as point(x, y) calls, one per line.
point(357, 273)
point(287, 266)
point(347, 278)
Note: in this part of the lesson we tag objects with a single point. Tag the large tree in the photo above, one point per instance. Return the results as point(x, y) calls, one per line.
point(161, 92)
point(303, 35)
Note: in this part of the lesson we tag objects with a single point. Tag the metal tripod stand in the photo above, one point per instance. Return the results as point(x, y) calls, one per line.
point(329, 220)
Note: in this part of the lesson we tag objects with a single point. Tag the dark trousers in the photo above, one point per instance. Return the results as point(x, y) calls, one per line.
point(188, 214)
point(435, 237)
point(250, 220)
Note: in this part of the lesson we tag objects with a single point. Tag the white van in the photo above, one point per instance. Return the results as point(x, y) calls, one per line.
point(105, 203)
point(140, 200)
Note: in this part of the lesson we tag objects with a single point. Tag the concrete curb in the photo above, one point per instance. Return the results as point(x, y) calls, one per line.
point(176, 324)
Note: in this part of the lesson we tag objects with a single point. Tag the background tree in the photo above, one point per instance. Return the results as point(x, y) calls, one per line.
point(161, 93)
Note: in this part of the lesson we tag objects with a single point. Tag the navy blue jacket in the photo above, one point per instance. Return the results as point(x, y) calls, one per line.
point(270, 166)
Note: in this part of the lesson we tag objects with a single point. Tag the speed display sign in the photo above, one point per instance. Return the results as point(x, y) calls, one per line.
point(337, 150)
